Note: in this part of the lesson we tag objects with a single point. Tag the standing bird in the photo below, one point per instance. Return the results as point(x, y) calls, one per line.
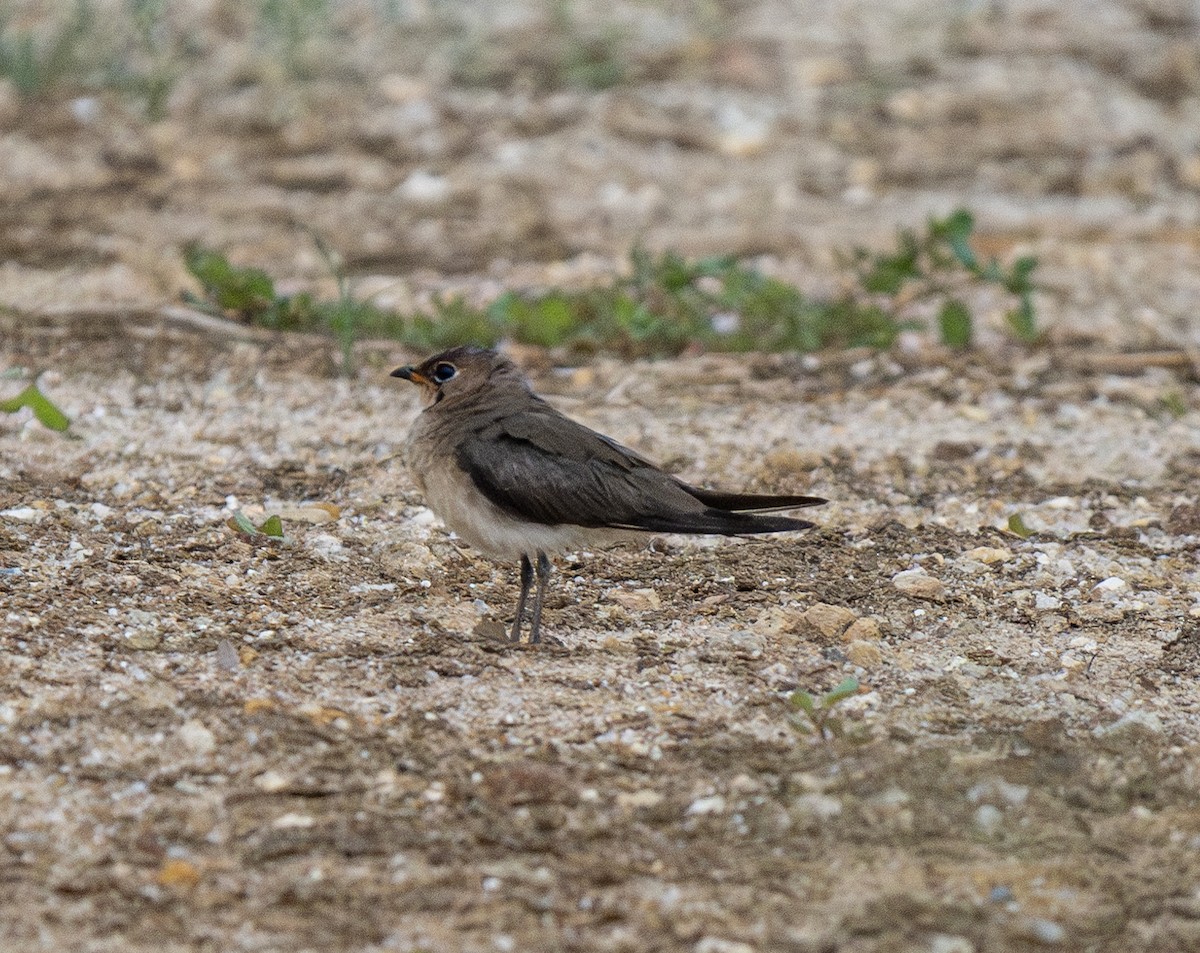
point(515, 478)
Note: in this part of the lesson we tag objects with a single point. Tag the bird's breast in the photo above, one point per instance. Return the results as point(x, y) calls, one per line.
point(451, 493)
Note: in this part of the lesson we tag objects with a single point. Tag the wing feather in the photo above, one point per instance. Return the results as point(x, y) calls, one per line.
point(543, 467)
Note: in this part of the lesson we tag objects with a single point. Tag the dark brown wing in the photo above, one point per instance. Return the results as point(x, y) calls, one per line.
point(543, 467)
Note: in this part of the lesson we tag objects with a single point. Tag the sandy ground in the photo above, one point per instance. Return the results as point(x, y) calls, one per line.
point(326, 744)
point(209, 743)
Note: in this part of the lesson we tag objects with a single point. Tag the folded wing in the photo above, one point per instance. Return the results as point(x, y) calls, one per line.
point(543, 467)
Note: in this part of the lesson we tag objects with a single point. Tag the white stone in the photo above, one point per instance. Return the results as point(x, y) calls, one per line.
point(707, 805)
point(196, 737)
point(23, 514)
point(988, 819)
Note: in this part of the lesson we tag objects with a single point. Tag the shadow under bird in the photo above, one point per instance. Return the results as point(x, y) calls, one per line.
point(516, 479)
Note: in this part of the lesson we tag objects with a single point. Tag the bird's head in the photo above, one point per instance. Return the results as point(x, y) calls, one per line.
point(460, 373)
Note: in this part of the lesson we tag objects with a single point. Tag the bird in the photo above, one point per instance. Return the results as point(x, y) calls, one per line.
point(518, 480)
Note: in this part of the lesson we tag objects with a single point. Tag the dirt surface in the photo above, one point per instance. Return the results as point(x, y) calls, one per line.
point(214, 743)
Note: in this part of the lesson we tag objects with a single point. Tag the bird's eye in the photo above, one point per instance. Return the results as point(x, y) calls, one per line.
point(443, 372)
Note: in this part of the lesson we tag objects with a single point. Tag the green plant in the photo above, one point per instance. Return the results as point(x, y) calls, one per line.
point(290, 27)
point(154, 46)
point(664, 305)
point(271, 529)
point(44, 409)
point(250, 294)
point(1018, 527)
point(36, 63)
point(1174, 404)
point(586, 60)
point(344, 314)
point(935, 266)
point(815, 715)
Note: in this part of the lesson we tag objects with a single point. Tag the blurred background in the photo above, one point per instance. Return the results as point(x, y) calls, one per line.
point(420, 150)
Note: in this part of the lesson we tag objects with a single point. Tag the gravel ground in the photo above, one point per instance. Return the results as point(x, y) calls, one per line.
point(214, 743)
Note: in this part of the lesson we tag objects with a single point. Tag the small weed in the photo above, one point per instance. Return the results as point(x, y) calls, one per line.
point(36, 62)
point(567, 53)
point(586, 60)
point(44, 409)
point(936, 266)
point(249, 294)
point(290, 27)
point(154, 45)
point(1017, 526)
point(271, 529)
point(1174, 404)
point(813, 715)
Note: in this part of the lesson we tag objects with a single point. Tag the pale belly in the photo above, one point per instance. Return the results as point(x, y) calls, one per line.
point(486, 527)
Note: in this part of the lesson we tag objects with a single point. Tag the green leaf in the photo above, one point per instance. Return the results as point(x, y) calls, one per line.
point(1016, 526)
point(272, 526)
point(239, 522)
point(954, 321)
point(848, 687)
point(888, 273)
point(548, 322)
point(804, 701)
point(1022, 321)
point(801, 725)
point(247, 291)
point(1018, 280)
point(43, 408)
point(955, 231)
point(1174, 404)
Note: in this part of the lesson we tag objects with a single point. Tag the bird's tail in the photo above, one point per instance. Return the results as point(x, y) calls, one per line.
point(752, 502)
point(718, 523)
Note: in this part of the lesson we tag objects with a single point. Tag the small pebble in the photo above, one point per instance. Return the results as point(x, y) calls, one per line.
point(643, 798)
point(143, 641)
point(23, 514)
point(919, 584)
point(227, 656)
point(712, 944)
point(863, 630)
point(197, 738)
point(707, 805)
point(829, 621)
point(864, 654)
point(271, 782)
point(988, 555)
point(293, 820)
point(947, 943)
point(988, 819)
point(1043, 931)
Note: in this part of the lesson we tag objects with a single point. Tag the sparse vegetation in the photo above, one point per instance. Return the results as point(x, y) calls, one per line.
point(270, 530)
point(568, 53)
point(44, 409)
point(35, 60)
point(815, 714)
point(937, 266)
point(1018, 527)
point(665, 304)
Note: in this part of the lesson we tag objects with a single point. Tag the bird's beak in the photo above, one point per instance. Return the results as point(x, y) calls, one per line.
point(409, 373)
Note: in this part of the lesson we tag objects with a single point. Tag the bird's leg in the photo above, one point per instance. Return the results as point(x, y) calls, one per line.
point(543, 575)
point(526, 582)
